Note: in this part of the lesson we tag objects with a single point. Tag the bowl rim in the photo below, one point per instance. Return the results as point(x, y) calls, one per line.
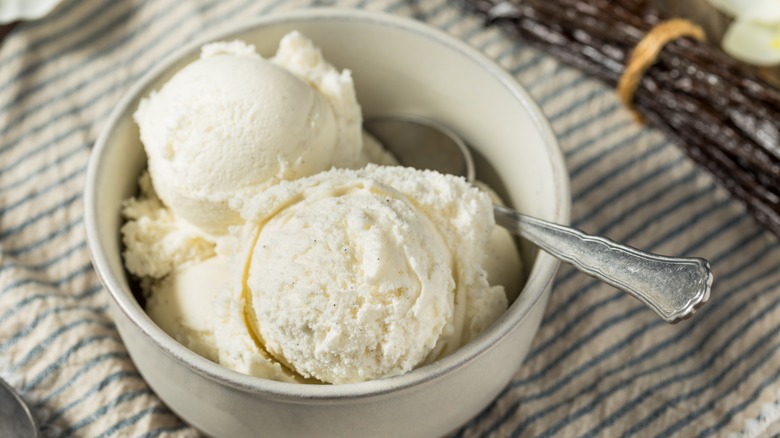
point(537, 283)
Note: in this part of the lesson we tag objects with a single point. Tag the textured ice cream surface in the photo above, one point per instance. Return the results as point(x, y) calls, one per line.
point(156, 241)
point(354, 275)
point(237, 346)
point(232, 123)
point(348, 288)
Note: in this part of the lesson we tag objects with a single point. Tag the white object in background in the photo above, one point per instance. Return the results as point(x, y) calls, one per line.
point(754, 36)
point(13, 10)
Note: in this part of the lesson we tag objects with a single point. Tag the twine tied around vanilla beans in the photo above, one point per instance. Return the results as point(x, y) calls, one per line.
point(645, 53)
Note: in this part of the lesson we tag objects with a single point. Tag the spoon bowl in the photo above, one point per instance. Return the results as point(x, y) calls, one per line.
point(444, 151)
point(16, 419)
point(673, 287)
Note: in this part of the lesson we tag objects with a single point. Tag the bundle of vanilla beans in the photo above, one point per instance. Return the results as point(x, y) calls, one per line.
point(721, 113)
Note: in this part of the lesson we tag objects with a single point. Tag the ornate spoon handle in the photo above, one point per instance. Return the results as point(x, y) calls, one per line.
point(672, 286)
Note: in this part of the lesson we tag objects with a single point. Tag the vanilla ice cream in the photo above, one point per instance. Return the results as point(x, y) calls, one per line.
point(353, 275)
point(253, 252)
point(232, 123)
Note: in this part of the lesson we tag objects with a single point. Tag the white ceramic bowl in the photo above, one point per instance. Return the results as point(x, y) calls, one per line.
point(399, 66)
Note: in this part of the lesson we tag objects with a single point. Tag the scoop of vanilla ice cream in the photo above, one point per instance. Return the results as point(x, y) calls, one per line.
point(351, 283)
point(231, 123)
point(350, 276)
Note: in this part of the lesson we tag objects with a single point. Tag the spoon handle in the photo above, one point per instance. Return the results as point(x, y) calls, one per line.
point(672, 286)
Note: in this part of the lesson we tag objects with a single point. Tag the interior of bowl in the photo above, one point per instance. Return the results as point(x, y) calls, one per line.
point(399, 66)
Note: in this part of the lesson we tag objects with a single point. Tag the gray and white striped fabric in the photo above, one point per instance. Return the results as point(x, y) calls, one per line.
point(601, 363)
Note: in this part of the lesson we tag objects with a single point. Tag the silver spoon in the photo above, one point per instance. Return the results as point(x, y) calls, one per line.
point(16, 419)
point(674, 287)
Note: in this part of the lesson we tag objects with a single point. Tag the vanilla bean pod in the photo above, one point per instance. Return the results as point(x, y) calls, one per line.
point(719, 112)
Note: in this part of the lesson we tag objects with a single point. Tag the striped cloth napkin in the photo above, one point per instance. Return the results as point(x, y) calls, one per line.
point(601, 363)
